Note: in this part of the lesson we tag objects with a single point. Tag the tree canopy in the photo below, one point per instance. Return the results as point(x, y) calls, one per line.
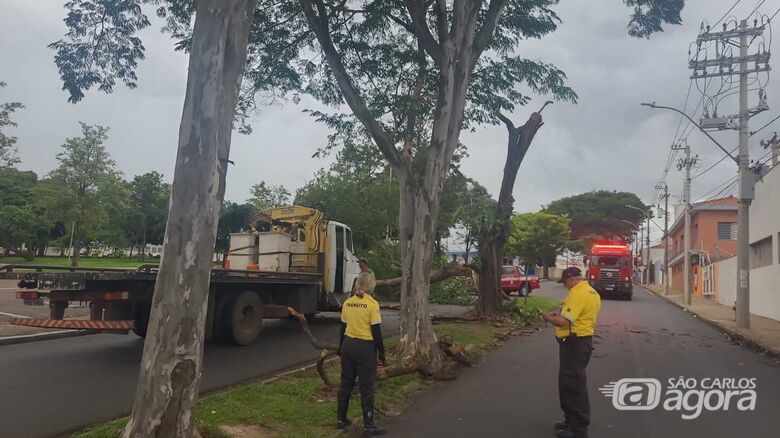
point(601, 214)
point(8, 142)
point(267, 196)
point(538, 237)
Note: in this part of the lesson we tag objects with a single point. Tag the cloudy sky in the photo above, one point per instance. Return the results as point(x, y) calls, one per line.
point(607, 141)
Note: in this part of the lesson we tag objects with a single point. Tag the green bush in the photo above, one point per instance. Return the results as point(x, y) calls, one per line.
point(526, 310)
point(454, 290)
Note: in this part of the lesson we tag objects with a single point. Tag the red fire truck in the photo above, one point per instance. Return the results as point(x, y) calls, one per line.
point(609, 269)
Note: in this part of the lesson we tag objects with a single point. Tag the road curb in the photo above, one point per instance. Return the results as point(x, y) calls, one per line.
point(22, 339)
point(750, 343)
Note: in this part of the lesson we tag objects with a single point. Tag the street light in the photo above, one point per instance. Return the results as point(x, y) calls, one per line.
point(646, 215)
point(653, 105)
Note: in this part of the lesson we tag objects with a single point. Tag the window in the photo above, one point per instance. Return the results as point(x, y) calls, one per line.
point(509, 270)
point(349, 241)
point(610, 261)
point(761, 253)
point(727, 230)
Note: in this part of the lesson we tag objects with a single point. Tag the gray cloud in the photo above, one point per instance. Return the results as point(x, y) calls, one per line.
point(607, 141)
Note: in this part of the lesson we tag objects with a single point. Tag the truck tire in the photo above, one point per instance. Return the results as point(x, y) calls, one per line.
point(240, 318)
point(141, 318)
point(525, 290)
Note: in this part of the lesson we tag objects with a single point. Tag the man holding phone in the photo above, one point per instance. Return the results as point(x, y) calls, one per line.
point(574, 326)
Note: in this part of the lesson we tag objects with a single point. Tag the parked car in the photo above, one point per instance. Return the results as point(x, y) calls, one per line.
point(513, 279)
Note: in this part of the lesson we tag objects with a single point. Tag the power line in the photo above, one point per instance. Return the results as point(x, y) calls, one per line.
point(685, 105)
point(770, 122)
point(733, 150)
point(716, 163)
point(729, 183)
point(723, 188)
point(756, 8)
point(773, 15)
point(727, 12)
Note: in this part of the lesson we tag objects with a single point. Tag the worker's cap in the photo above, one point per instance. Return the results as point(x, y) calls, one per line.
point(362, 260)
point(570, 272)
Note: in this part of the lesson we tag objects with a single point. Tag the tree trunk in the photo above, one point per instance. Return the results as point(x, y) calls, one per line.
point(143, 245)
point(468, 247)
point(132, 247)
point(417, 337)
point(171, 366)
point(545, 270)
point(74, 258)
point(492, 245)
point(491, 256)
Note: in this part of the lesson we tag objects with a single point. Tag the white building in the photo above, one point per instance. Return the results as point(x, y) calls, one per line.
point(764, 252)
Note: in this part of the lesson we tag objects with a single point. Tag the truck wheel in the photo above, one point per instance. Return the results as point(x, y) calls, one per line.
point(141, 318)
point(525, 290)
point(241, 318)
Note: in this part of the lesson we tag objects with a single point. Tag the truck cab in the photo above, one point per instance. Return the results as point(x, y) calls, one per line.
point(609, 270)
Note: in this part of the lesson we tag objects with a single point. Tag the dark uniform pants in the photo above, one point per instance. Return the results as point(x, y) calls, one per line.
point(574, 354)
point(358, 360)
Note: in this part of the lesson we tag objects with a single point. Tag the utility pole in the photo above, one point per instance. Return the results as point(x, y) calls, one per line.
point(722, 65)
point(665, 196)
point(774, 143)
point(647, 251)
point(746, 186)
point(686, 163)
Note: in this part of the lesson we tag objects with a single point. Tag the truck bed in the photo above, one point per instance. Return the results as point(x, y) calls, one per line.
point(74, 278)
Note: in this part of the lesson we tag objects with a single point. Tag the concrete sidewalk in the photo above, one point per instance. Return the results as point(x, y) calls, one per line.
point(764, 333)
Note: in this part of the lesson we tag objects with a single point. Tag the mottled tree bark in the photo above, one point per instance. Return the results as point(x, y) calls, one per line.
point(493, 240)
point(171, 365)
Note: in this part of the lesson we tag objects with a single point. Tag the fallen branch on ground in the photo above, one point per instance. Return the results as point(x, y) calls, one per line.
point(451, 348)
point(449, 270)
point(325, 349)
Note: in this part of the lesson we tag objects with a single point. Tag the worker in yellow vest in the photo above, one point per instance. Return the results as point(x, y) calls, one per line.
point(360, 348)
point(574, 327)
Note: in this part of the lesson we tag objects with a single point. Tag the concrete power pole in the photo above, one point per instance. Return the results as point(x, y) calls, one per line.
point(665, 271)
point(746, 187)
point(647, 251)
point(686, 163)
point(774, 143)
point(723, 65)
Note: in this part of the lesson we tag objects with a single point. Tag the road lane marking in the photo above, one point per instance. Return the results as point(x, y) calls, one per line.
point(13, 315)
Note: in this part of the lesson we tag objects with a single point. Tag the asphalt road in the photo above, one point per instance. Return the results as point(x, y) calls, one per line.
point(52, 387)
point(514, 392)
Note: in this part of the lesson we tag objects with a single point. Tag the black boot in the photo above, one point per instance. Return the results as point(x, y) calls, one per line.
point(562, 425)
point(572, 433)
point(341, 414)
point(369, 427)
point(373, 430)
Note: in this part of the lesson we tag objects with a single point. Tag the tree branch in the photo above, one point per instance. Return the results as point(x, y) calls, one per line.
point(319, 24)
point(486, 33)
point(418, 15)
point(450, 270)
point(509, 125)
